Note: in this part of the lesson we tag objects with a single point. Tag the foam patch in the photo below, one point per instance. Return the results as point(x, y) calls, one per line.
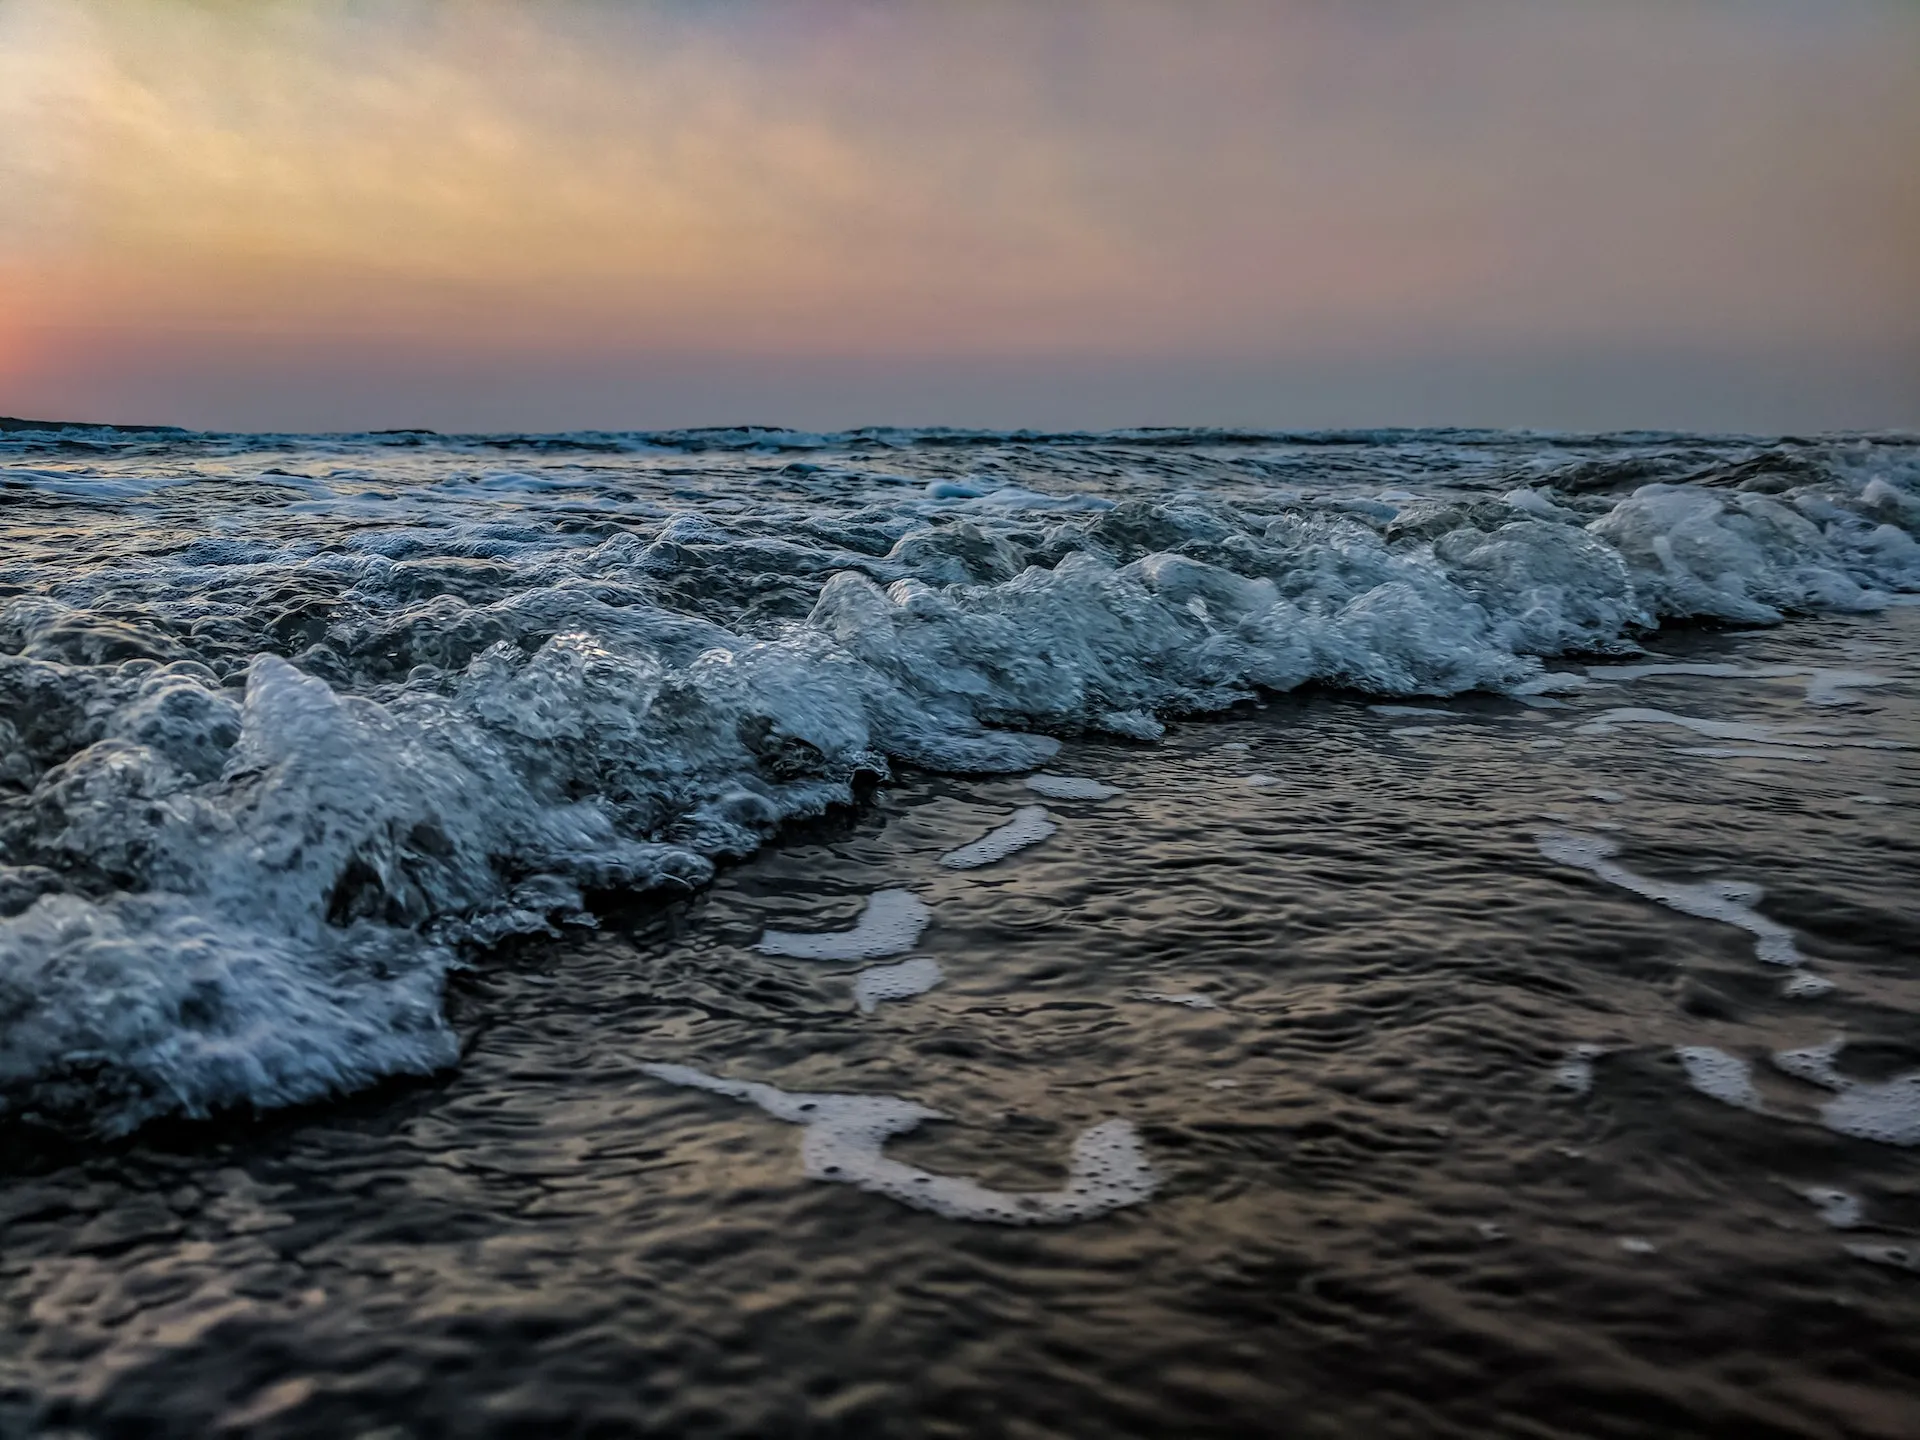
point(1886, 1112)
point(1575, 1072)
point(844, 1136)
point(1899, 1257)
point(1192, 1000)
point(1837, 1208)
point(1070, 787)
point(890, 925)
point(1729, 901)
point(1029, 826)
point(1416, 711)
point(1824, 687)
point(1807, 987)
point(895, 982)
point(1720, 1076)
point(1751, 732)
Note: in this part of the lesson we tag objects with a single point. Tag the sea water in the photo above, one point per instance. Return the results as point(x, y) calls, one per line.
point(560, 931)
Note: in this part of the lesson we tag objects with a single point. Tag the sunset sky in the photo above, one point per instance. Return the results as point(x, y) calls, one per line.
point(472, 215)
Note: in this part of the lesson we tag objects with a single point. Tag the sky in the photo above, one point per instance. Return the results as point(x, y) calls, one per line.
point(555, 214)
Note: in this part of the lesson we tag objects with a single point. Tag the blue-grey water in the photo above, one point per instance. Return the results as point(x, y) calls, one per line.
point(928, 933)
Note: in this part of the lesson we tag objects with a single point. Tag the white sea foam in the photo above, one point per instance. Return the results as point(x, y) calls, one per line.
point(1070, 787)
point(1752, 732)
point(1029, 826)
point(1729, 901)
point(895, 982)
point(891, 924)
point(1713, 729)
point(1415, 711)
point(1190, 999)
point(1804, 986)
point(1898, 1257)
point(1720, 1076)
point(1575, 1072)
point(844, 1137)
point(1884, 1111)
point(1837, 1208)
point(1824, 687)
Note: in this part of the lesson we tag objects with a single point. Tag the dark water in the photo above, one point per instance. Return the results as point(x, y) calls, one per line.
point(1385, 1208)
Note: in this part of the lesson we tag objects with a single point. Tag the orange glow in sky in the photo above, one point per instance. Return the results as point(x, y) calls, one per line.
point(316, 214)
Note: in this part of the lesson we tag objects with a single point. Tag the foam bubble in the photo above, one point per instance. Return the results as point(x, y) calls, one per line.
point(1728, 901)
point(1070, 787)
point(895, 982)
point(1029, 826)
point(1720, 1076)
point(890, 925)
point(844, 1136)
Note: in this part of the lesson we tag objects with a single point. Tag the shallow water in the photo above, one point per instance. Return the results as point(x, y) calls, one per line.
point(1446, 1027)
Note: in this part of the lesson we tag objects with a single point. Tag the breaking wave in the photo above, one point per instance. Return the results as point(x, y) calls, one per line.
point(288, 729)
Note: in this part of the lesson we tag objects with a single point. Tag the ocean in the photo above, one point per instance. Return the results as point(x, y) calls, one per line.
point(942, 933)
